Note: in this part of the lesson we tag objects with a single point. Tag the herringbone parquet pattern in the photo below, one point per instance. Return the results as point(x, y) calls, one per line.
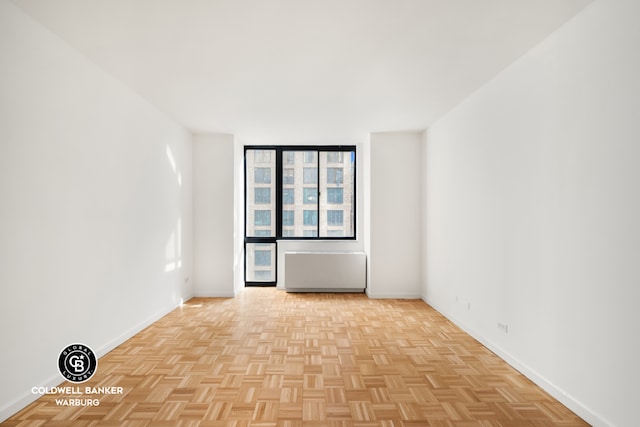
point(267, 358)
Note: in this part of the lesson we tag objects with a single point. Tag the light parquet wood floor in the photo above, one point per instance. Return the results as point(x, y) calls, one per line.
point(267, 358)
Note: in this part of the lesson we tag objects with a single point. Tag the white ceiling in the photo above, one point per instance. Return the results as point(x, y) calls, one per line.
point(278, 71)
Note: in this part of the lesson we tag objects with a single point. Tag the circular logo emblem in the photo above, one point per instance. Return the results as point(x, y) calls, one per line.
point(77, 363)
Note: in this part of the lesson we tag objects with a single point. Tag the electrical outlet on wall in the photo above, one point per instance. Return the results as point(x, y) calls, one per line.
point(504, 327)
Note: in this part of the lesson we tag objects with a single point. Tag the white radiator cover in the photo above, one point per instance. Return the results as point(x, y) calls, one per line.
point(325, 271)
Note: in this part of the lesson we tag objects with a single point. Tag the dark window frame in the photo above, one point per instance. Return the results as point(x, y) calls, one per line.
point(278, 199)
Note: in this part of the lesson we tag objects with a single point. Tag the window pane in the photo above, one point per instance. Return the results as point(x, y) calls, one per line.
point(334, 195)
point(261, 261)
point(288, 196)
point(262, 175)
point(263, 257)
point(300, 190)
point(310, 195)
point(335, 217)
point(310, 233)
point(287, 176)
point(260, 187)
point(310, 175)
point(310, 157)
point(262, 218)
point(334, 176)
point(262, 156)
point(288, 157)
point(334, 157)
point(337, 189)
point(287, 217)
point(310, 218)
point(262, 196)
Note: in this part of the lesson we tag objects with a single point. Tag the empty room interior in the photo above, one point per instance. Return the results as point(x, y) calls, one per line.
point(319, 213)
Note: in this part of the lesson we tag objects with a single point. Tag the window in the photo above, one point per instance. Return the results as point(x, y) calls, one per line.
point(335, 217)
point(310, 218)
point(288, 218)
point(310, 195)
point(334, 195)
point(262, 196)
point(262, 156)
point(262, 218)
point(295, 192)
point(288, 157)
point(310, 175)
point(262, 175)
point(334, 176)
point(334, 157)
point(288, 196)
point(310, 157)
point(287, 177)
point(263, 257)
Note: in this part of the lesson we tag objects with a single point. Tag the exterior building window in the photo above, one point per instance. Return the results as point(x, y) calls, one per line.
point(288, 218)
point(335, 217)
point(262, 175)
point(310, 217)
point(262, 156)
point(287, 176)
point(310, 195)
point(262, 196)
point(263, 258)
point(310, 157)
point(288, 196)
point(335, 233)
point(288, 157)
point(334, 157)
point(310, 175)
point(262, 218)
point(334, 176)
point(263, 275)
point(335, 195)
point(263, 233)
point(310, 233)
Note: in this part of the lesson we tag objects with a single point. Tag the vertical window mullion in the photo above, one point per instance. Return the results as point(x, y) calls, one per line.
point(279, 192)
point(318, 194)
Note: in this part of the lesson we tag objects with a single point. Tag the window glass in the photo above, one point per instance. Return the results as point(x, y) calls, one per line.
point(288, 196)
point(335, 195)
point(310, 217)
point(310, 195)
point(335, 217)
point(262, 196)
point(262, 175)
point(262, 218)
point(334, 176)
point(288, 218)
point(310, 175)
point(287, 176)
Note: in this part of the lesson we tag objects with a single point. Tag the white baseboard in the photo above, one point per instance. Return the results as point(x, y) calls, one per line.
point(375, 295)
point(561, 395)
point(207, 294)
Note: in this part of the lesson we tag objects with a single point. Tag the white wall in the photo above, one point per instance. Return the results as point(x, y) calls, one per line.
point(213, 207)
point(95, 208)
point(394, 232)
point(532, 208)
